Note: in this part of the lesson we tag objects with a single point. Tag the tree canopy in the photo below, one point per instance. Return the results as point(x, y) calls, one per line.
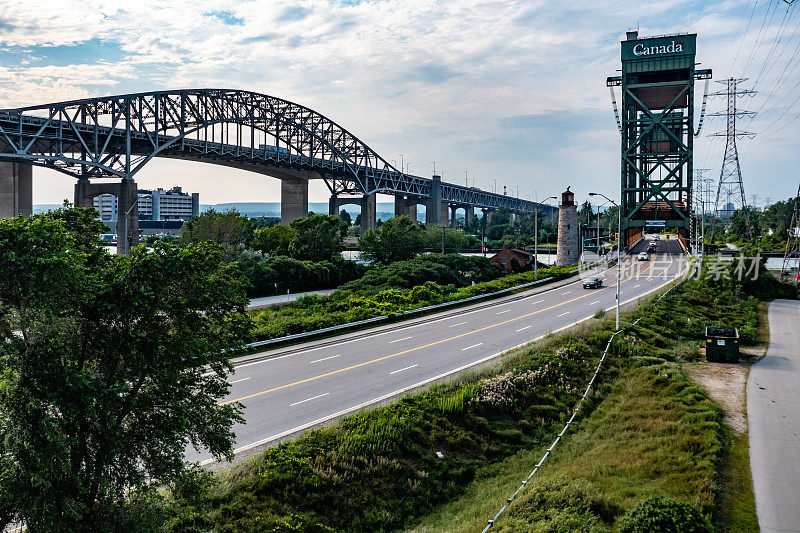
point(111, 367)
point(398, 239)
point(231, 230)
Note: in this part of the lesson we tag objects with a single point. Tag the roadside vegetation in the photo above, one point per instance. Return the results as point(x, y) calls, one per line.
point(401, 286)
point(649, 445)
point(306, 255)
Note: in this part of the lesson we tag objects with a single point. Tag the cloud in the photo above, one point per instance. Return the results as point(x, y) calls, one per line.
point(508, 89)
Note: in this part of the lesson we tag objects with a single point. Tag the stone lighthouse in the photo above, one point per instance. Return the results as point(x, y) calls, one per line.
point(569, 249)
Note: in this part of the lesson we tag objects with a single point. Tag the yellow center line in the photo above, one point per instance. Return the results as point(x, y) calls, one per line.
point(385, 357)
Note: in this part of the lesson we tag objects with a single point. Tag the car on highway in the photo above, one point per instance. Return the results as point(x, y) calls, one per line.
point(593, 282)
point(644, 257)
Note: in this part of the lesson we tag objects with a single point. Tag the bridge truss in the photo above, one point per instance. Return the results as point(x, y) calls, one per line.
point(115, 136)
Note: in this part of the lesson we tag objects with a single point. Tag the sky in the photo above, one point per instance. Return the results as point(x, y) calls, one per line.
point(506, 92)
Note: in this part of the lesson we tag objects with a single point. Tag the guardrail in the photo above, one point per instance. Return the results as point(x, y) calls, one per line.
point(386, 318)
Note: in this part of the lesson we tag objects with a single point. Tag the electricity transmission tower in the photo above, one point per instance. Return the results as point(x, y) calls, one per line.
point(730, 189)
point(699, 205)
point(792, 247)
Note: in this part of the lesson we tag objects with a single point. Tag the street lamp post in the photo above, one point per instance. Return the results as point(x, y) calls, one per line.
point(536, 238)
point(619, 245)
point(494, 187)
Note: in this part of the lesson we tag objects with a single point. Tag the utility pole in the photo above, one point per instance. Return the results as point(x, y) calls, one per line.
point(730, 186)
point(792, 246)
point(699, 180)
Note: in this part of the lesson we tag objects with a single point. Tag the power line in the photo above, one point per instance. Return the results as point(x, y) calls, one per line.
point(770, 13)
point(741, 42)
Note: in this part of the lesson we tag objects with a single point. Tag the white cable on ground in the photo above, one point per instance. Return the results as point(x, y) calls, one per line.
point(563, 431)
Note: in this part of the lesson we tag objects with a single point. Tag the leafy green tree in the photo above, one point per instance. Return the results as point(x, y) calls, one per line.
point(230, 229)
point(345, 216)
point(357, 221)
point(452, 239)
point(274, 240)
point(317, 237)
point(398, 239)
point(586, 213)
point(500, 217)
point(111, 366)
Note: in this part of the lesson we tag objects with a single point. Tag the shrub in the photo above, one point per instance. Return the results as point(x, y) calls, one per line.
point(663, 515)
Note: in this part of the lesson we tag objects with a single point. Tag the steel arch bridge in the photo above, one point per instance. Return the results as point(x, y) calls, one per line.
point(115, 136)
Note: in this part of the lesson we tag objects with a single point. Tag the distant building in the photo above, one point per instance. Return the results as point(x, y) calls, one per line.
point(155, 205)
point(513, 259)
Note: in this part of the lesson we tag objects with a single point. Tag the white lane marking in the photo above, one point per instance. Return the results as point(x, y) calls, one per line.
point(379, 333)
point(398, 340)
point(562, 314)
point(238, 380)
point(523, 329)
point(459, 324)
point(473, 346)
point(563, 293)
point(506, 311)
point(325, 359)
point(402, 369)
point(308, 399)
point(637, 286)
point(393, 394)
point(595, 302)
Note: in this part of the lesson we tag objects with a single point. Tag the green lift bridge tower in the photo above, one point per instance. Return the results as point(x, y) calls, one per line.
point(657, 127)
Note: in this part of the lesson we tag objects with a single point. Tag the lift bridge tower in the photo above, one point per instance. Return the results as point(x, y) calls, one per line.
point(657, 128)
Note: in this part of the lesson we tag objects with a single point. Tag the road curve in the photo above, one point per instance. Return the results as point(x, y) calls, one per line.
point(300, 387)
point(773, 418)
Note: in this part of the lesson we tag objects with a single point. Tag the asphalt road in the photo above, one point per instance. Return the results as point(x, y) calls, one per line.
point(773, 417)
point(300, 387)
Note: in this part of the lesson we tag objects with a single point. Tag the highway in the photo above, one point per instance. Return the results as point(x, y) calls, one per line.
point(290, 389)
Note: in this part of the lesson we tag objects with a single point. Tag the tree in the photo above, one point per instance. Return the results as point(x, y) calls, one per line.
point(454, 239)
point(317, 237)
point(357, 221)
point(398, 239)
point(585, 213)
point(111, 366)
point(274, 240)
point(345, 216)
point(230, 230)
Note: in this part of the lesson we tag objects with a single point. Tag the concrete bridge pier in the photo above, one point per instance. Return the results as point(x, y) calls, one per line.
point(369, 211)
point(453, 211)
point(435, 210)
point(294, 199)
point(368, 208)
point(16, 189)
point(405, 206)
point(469, 215)
point(127, 194)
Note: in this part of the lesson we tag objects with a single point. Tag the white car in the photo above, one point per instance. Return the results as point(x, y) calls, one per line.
point(644, 257)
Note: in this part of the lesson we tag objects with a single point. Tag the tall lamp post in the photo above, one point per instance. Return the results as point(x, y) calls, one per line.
point(536, 238)
point(598, 229)
point(619, 245)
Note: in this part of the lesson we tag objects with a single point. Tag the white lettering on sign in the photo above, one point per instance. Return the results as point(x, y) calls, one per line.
point(674, 47)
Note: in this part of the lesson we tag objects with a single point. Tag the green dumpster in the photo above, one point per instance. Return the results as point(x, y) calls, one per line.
point(722, 345)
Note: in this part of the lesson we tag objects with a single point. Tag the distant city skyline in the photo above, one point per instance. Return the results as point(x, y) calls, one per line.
point(507, 91)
